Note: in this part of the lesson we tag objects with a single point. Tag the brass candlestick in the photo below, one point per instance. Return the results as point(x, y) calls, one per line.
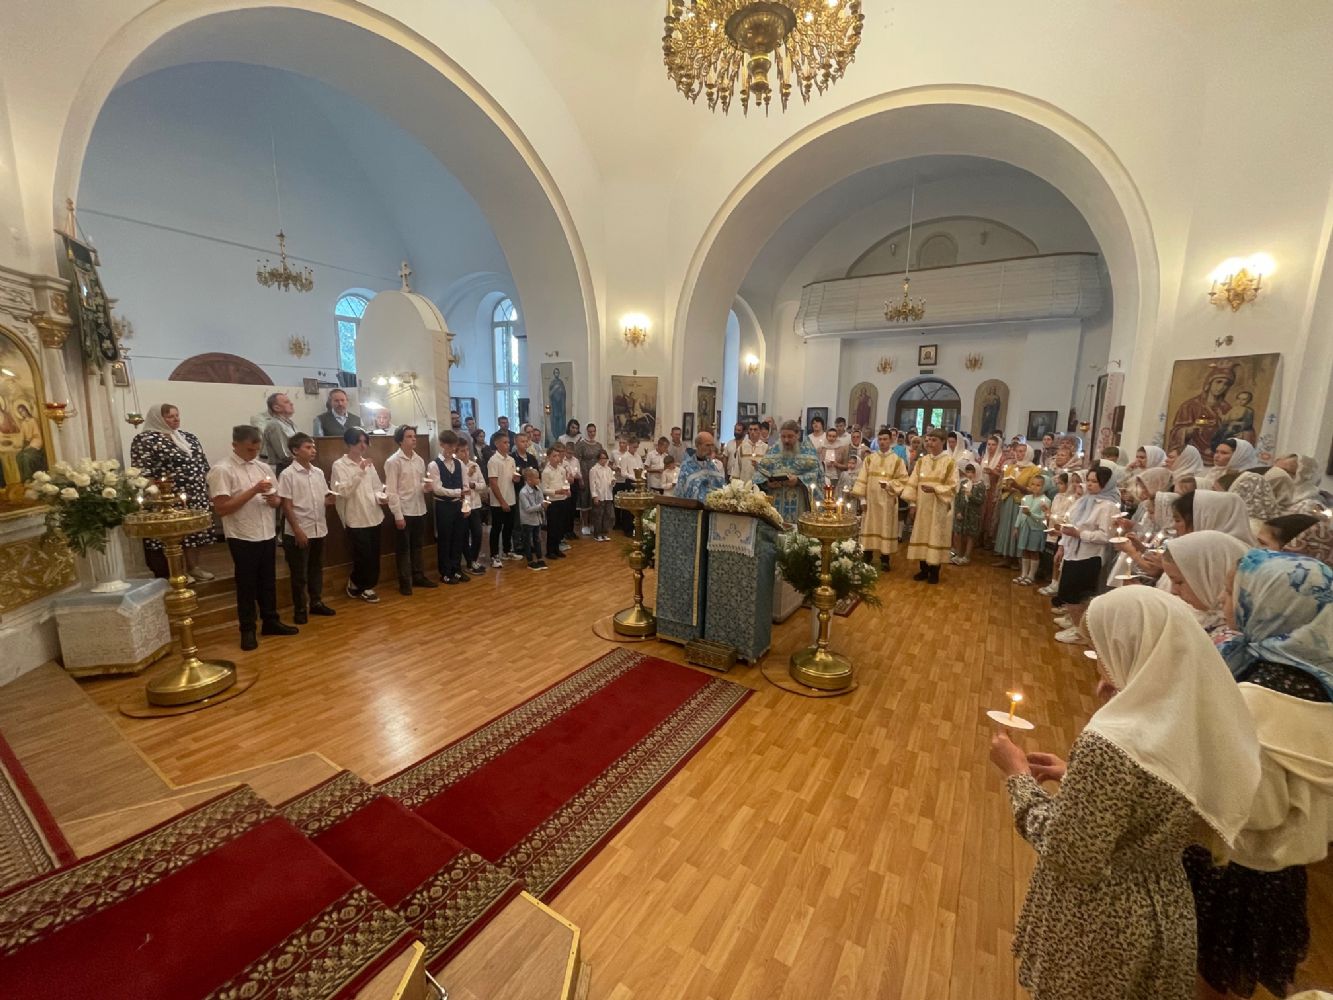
point(636, 620)
point(815, 666)
point(168, 520)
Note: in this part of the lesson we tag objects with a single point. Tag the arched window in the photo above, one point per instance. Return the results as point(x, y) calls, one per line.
point(927, 402)
point(347, 318)
point(509, 383)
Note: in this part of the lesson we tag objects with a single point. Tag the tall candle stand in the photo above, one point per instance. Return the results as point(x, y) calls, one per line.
point(815, 666)
point(191, 680)
point(637, 621)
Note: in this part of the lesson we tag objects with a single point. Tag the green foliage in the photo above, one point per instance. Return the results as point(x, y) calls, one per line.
point(87, 500)
point(798, 562)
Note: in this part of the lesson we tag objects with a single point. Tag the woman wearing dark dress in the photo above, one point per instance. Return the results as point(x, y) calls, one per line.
point(163, 449)
point(1253, 927)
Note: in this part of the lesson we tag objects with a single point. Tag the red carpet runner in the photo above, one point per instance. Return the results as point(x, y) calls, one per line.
point(31, 843)
point(542, 788)
point(227, 900)
point(443, 890)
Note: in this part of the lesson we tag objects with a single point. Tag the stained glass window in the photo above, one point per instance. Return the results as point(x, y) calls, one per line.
point(347, 319)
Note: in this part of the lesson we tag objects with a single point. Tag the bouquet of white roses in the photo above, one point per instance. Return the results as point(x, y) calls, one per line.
point(87, 500)
point(740, 497)
point(649, 537)
point(798, 562)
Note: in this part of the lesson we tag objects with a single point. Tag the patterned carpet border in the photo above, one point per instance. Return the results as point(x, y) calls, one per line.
point(450, 906)
point(554, 852)
point(560, 848)
point(31, 844)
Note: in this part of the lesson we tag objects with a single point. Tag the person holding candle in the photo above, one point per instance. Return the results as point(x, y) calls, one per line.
point(532, 508)
point(446, 479)
point(603, 498)
point(406, 484)
point(879, 484)
point(555, 487)
point(1170, 759)
point(474, 502)
point(244, 496)
point(305, 497)
point(1199, 566)
point(968, 506)
point(930, 488)
point(163, 450)
point(1013, 487)
point(358, 495)
point(1084, 539)
point(1031, 529)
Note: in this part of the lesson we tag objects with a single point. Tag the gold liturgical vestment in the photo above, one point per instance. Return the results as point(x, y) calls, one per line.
point(879, 523)
point(933, 526)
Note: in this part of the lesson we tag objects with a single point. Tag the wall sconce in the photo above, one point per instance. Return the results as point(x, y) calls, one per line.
point(635, 327)
point(298, 347)
point(1239, 280)
point(395, 379)
point(885, 365)
point(455, 358)
point(972, 362)
point(1226, 341)
point(751, 364)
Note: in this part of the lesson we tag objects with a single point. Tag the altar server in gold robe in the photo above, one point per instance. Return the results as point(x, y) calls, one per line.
point(879, 482)
point(931, 486)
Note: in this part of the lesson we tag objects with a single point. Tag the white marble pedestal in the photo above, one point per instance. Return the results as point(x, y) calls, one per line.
point(121, 633)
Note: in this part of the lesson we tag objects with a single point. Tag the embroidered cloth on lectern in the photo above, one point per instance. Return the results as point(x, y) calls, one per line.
point(732, 533)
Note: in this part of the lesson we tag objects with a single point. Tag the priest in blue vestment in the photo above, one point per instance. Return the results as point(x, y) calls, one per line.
point(700, 473)
point(789, 472)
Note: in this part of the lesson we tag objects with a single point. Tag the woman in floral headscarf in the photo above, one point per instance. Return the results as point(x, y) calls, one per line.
point(1253, 928)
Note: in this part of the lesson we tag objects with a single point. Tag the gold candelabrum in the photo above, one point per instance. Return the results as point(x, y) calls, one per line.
point(167, 519)
point(636, 620)
point(815, 666)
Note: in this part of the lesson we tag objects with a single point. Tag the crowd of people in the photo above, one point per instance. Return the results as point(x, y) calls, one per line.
point(1173, 857)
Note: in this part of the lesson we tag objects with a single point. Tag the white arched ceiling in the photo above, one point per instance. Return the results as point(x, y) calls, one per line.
point(954, 121)
point(408, 80)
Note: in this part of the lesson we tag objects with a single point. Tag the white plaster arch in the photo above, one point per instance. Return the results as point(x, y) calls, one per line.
point(413, 83)
point(952, 120)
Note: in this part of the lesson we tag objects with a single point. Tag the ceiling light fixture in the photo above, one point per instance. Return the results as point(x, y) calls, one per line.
point(907, 310)
point(712, 46)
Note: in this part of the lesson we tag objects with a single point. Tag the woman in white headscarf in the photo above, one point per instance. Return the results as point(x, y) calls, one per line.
point(1232, 457)
point(1149, 457)
point(1142, 525)
point(162, 449)
point(1213, 511)
point(1199, 566)
point(1171, 759)
point(1303, 473)
point(1251, 914)
point(1185, 462)
point(1013, 487)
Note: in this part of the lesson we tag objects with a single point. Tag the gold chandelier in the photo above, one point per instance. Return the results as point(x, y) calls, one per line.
point(283, 276)
point(907, 310)
point(711, 45)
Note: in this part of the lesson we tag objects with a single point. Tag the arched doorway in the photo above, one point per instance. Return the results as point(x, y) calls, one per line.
point(925, 402)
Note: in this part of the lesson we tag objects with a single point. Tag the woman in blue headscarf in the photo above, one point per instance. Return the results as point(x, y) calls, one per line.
point(1252, 922)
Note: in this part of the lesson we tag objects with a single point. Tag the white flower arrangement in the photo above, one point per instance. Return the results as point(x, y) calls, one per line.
point(87, 500)
point(740, 497)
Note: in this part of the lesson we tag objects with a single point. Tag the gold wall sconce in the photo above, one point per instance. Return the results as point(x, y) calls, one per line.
point(298, 347)
point(751, 364)
point(635, 328)
point(885, 365)
point(1238, 280)
point(972, 362)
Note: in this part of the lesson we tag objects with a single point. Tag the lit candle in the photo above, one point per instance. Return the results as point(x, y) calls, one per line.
point(139, 500)
point(1014, 698)
point(183, 499)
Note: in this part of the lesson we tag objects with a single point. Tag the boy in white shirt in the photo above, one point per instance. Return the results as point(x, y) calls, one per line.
point(670, 475)
point(627, 463)
point(446, 479)
point(555, 487)
point(359, 495)
point(574, 473)
point(406, 485)
point(243, 494)
point(653, 464)
point(502, 475)
point(603, 479)
point(474, 497)
point(305, 496)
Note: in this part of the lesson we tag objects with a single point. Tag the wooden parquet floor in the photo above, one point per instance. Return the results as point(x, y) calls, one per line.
point(854, 847)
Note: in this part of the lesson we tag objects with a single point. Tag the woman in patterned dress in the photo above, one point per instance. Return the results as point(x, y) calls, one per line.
point(1253, 926)
point(1170, 759)
point(163, 449)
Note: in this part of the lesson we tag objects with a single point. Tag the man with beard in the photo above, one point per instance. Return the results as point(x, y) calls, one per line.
point(789, 473)
point(701, 473)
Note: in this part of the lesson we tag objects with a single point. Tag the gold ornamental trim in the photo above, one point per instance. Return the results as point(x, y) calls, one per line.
point(30, 569)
